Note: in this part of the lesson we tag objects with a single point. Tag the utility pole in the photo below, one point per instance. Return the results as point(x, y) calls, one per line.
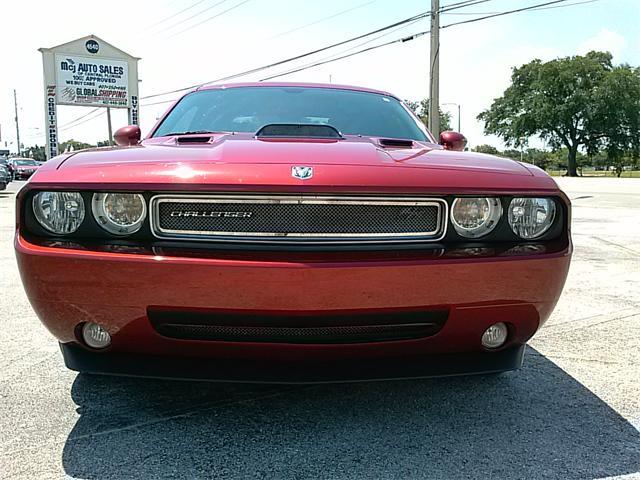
point(109, 126)
point(434, 70)
point(15, 104)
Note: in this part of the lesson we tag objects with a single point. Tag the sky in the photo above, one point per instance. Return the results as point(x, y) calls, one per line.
point(188, 42)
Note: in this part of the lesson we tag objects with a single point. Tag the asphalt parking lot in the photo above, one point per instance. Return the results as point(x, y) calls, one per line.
point(572, 412)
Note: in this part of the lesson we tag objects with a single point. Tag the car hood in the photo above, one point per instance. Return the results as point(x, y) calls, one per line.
point(241, 160)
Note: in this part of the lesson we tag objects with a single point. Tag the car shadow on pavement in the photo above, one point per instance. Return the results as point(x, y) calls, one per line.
point(535, 423)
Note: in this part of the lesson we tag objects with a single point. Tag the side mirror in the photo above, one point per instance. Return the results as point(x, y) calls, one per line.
point(453, 141)
point(127, 136)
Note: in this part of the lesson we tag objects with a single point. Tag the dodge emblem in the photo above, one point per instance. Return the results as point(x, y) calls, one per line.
point(303, 173)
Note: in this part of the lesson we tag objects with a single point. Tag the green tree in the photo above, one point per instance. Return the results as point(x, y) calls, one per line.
point(563, 101)
point(619, 116)
point(421, 109)
point(539, 158)
point(73, 145)
point(511, 153)
point(486, 149)
point(535, 156)
point(37, 153)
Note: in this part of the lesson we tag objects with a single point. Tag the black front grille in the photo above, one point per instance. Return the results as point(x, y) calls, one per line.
point(289, 217)
point(302, 329)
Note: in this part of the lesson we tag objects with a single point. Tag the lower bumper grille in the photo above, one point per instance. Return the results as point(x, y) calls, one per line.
point(288, 218)
point(305, 329)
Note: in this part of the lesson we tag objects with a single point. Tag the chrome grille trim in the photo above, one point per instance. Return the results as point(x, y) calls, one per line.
point(298, 238)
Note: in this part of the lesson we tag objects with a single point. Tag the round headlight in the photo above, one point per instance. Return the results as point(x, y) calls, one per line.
point(59, 212)
point(119, 213)
point(475, 217)
point(531, 217)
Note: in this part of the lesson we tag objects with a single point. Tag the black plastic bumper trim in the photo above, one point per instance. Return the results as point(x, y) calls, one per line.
point(260, 371)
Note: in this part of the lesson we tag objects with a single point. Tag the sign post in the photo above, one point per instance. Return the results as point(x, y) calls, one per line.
point(87, 72)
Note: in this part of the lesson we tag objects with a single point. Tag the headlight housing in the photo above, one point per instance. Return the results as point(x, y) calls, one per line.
point(61, 213)
point(475, 217)
point(119, 213)
point(530, 217)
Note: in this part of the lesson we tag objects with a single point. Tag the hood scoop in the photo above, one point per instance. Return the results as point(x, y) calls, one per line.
point(396, 143)
point(194, 140)
point(298, 130)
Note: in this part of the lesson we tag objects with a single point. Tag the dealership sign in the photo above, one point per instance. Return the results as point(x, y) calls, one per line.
point(92, 81)
point(87, 72)
point(52, 122)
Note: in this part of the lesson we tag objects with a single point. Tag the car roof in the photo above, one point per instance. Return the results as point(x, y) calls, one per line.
point(295, 84)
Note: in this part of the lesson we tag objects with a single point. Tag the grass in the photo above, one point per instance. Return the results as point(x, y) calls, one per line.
point(598, 173)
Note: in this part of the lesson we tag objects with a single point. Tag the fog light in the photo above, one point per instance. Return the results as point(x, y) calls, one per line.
point(495, 335)
point(95, 336)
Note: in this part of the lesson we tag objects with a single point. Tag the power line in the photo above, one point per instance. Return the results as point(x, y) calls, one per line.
point(537, 8)
point(412, 37)
point(368, 49)
point(313, 52)
point(180, 22)
point(500, 14)
point(342, 52)
point(465, 3)
point(195, 4)
point(353, 47)
point(338, 55)
point(78, 123)
point(210, 18)
point(79, 118)
point(158, 103)
point(323, 19)
point(567, 5)
point(309, 64)
point(291, 59)
point(444, 8)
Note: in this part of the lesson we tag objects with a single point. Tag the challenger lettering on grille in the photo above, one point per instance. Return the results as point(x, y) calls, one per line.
point(205, 214)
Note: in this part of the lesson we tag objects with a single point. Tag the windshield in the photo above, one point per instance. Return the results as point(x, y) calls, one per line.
point(26, 162)
point(247, 109)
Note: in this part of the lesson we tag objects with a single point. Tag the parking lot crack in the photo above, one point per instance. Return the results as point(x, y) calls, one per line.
point(622, 247)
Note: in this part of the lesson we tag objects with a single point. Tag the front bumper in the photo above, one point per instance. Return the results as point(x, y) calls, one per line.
point(117, 290)
point(251, 371)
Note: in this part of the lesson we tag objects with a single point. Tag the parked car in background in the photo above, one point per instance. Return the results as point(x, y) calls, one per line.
point(5, 177)
point(9, 165)
point(291, 232)
point(25, 167)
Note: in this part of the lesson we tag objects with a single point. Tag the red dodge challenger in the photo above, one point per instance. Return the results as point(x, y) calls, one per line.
point(279, 232)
